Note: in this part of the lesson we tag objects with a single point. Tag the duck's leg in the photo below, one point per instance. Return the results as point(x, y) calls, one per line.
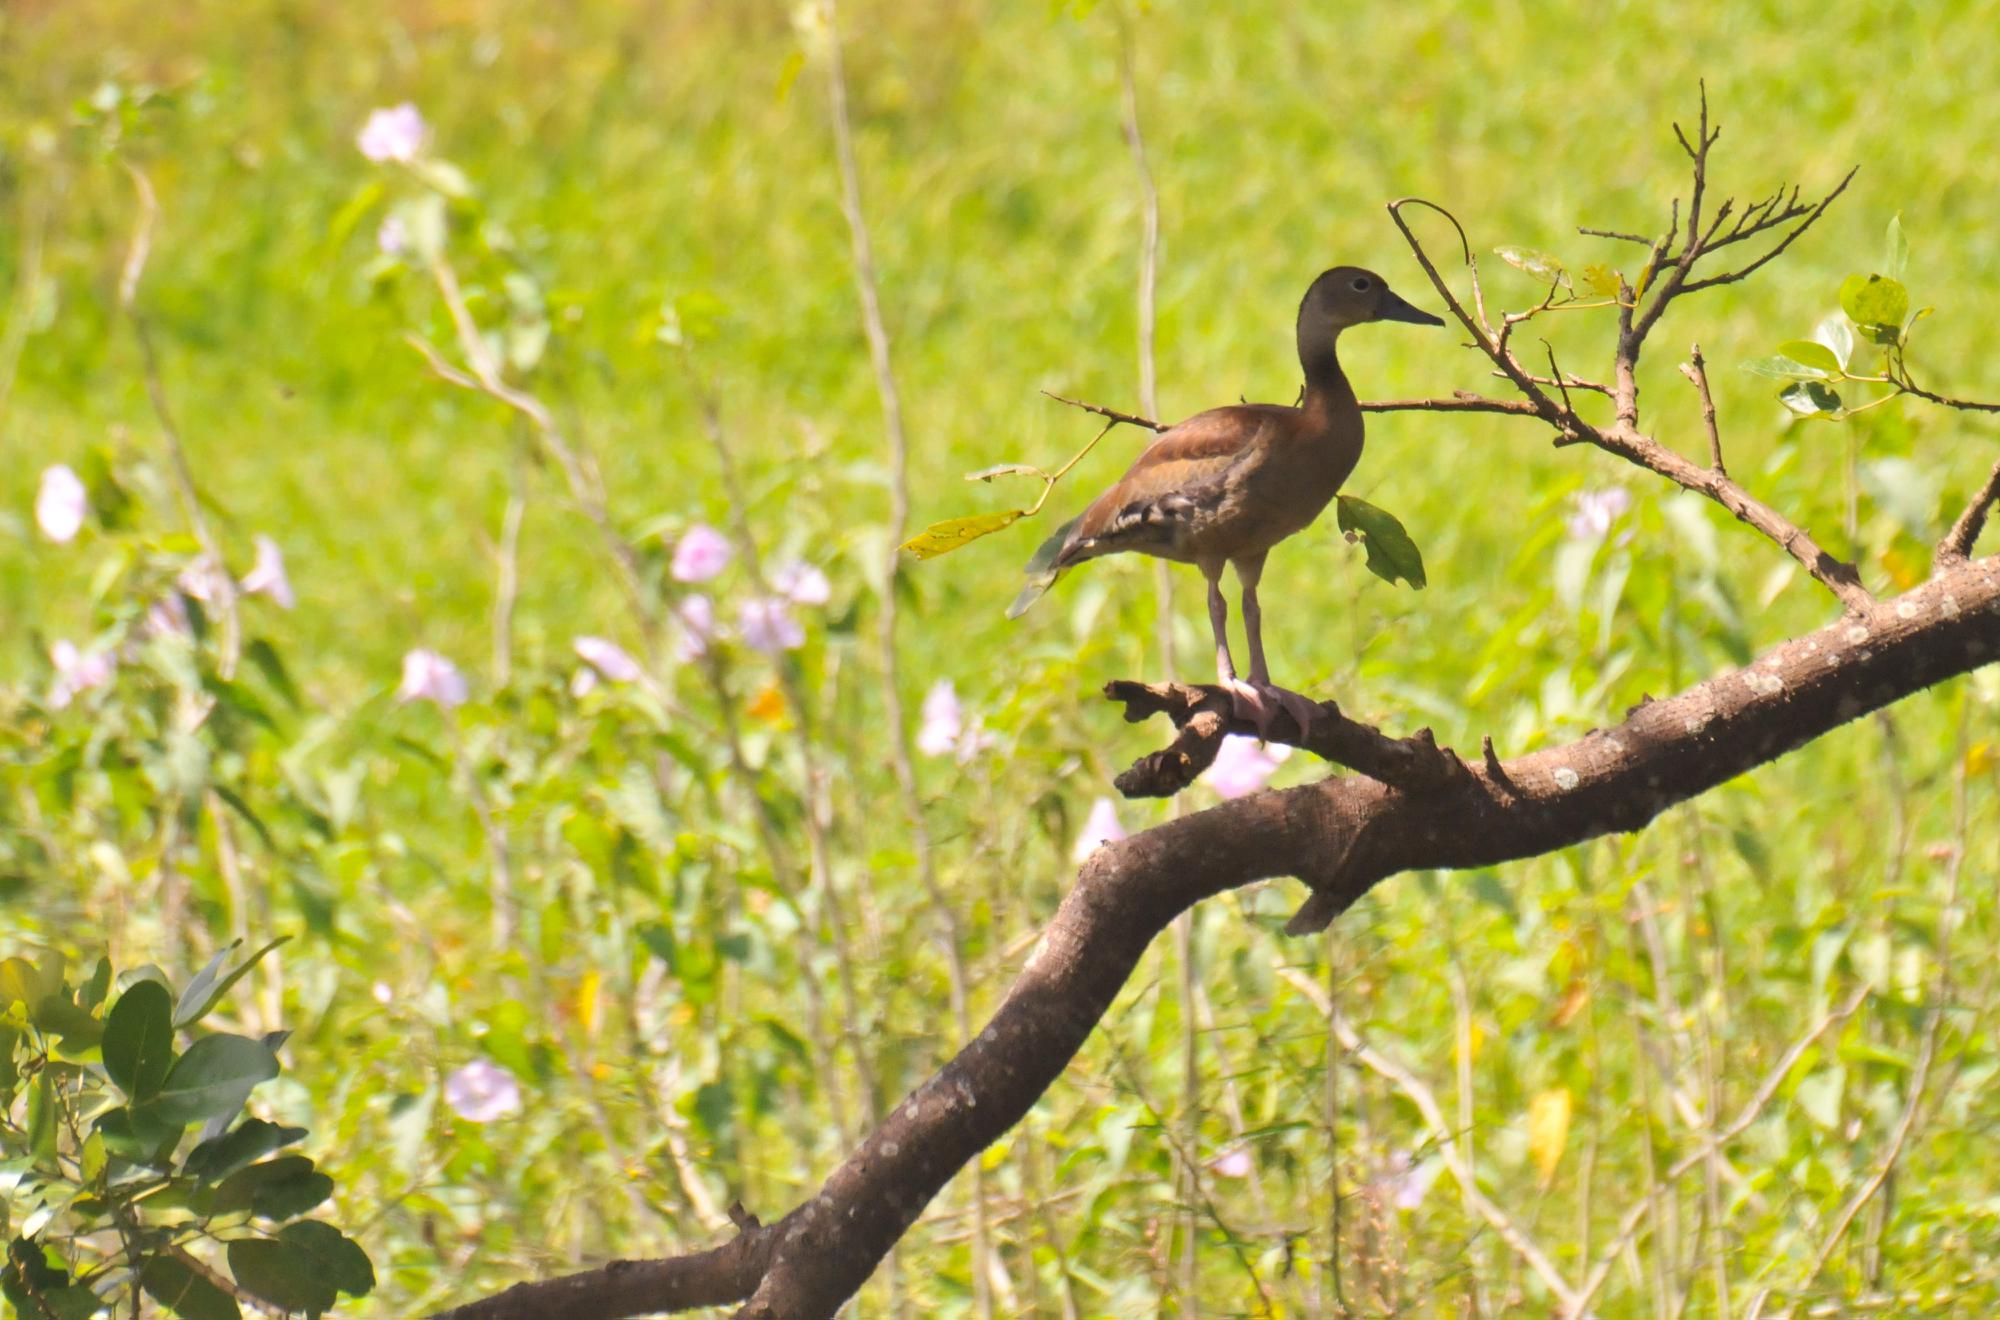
point(1249, 701)
point(1300, 706)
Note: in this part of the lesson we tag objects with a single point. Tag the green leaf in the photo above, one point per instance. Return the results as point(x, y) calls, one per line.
point(206, 991)
point(1897, 257)
point(42, 1115)
point(57, 1015)
point(139, 1039)
point(248, 1141)
point(1808, 353)
point(20, 983)
point(1783, 368)
point(137, 1139)
point(1872, 301)
point(212, 1080)
point(1391, 552)
point(281, 1273)
point(268, 663)
point(93, 992)
point(276, 1189)
point(173, 1285)
point(942, 538)
point(1538, 264)
point(1810, 398)
point(341, 1259)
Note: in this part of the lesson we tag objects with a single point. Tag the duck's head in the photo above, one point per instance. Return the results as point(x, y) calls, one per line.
point(1349, 295)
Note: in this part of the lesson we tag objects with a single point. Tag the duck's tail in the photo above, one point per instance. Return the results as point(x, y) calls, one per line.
point(1042, 571)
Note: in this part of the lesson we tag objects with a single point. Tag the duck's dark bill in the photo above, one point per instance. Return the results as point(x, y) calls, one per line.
point(1398, 310)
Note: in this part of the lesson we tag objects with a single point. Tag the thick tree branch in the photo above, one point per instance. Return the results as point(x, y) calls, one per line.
point(1344, 835)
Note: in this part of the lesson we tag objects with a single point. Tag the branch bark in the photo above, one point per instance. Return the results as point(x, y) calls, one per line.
point(1343, 835)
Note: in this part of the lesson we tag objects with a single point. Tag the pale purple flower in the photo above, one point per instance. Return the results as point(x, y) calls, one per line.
point(608, 658)
point(1409, 1181)
point(382, 991)
point(802, 584)
point(1099, 828)
point(428, 676)
point(482, 1091)
point(976, 739)
point(391, 237)
point(204, 580)
point(1596, 510)
point(267, 574)
point(77, 671)
point(767, 625)
point(943, 720)
point(61, 504)
point(167, 616)
point(697, 620)
point(396, 133)
point(1242, 766)
point(583, 682)
point(700, 554)
point(1233, 1163)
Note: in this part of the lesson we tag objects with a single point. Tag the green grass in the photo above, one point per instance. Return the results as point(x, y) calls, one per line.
point(636, 155)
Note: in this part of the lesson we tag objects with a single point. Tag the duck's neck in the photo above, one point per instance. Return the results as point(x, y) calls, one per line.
point(1327, 390)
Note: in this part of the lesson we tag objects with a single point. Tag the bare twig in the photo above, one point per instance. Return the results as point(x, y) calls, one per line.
point(950, 937)
point(1130, 419)
point(1696, 370)
point(1908, 386)
point(1958, 542)
point(136, 254)
point(1441, 1132)
point(1748, 1114)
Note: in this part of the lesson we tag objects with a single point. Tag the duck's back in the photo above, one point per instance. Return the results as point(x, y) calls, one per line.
point(1224, 484)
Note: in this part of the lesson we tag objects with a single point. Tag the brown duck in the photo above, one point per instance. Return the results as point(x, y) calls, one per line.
point(1226, 485)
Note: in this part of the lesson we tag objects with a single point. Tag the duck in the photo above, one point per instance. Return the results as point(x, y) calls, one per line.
point(1225, 486)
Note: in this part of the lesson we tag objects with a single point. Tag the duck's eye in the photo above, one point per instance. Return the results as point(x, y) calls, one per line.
point(1362, 284)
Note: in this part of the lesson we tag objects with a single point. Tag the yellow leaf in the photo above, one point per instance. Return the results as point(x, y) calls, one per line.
point(768, 705)
point(1979, 758)
point(1548, 1130)
point(943, 537)
point(1600, 281)
point(588, 1000)
point(1572, 1002)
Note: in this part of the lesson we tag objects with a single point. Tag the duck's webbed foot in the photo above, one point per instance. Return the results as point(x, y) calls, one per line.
point(1259, 703)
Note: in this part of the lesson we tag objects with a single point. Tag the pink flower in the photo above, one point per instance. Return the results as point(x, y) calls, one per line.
point(1099, 828)
point(1596, 510)
point(77, 671)
point(397, 134)
point(943, 721)
point(802, 584)
point(267, 574)
point(1233, 1163)
point(697, 620)
point(61, 504)
point(428, 676)
point(608, 658)
point(1242, 766)
point(391, 237)
point(482, 1091)
point(700, 554)
point(767, 625)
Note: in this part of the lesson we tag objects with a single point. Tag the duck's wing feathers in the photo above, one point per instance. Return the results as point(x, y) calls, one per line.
point(1181, 474)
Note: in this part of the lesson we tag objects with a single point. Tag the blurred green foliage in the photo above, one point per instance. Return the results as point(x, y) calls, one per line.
point(676, 924)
